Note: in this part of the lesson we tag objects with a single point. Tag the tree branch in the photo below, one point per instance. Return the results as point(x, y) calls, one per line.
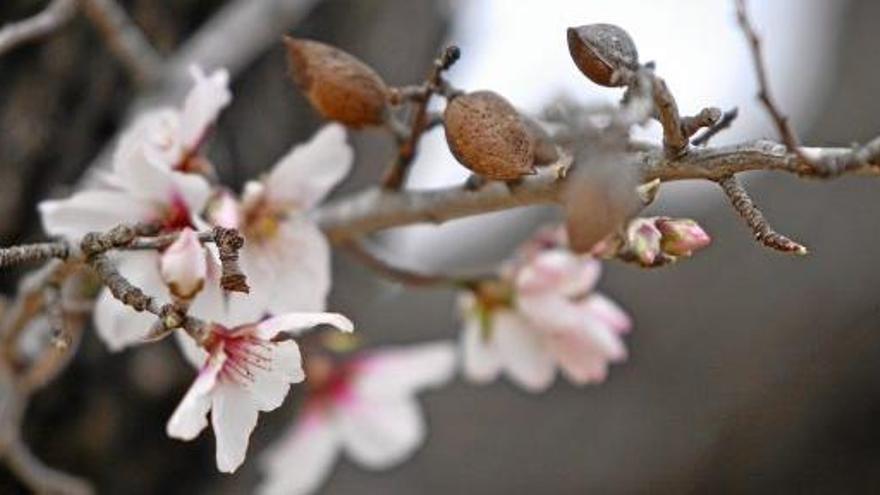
point(125, 39)
point(51, 18)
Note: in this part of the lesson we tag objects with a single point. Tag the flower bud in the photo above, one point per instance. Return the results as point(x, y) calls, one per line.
point(487, 135)
point(184, 266)
point(603, 52)
point(643, 240)
point(338, 85)
point(681, 236)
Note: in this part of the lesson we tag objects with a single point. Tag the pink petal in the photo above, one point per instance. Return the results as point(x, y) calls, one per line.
point(558, 271)
point(380, 433)
point(523, 352)
point(392, 371)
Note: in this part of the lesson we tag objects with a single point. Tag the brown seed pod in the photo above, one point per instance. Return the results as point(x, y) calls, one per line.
point(338, 85)
point(487, 135)
point(600, 50)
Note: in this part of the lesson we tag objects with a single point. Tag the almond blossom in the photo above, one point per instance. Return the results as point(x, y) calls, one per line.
point(144, 186)
point(364, 406)
point(286, 257)
point(243, 371)
point(541, 315)
point(184, 265)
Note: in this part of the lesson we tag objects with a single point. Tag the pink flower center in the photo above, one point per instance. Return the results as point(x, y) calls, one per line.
point(245, 356)
point(176, 215)
point(329, 382)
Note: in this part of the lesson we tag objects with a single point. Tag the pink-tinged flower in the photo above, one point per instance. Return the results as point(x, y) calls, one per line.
point(681, 236)
point(365, 406)
point(546, 315)
point(643, 240)
point(184, 265)
point(242, 372)
point(285, 256)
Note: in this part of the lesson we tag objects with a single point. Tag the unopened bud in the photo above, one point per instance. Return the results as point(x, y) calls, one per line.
point(338, 85)
point(487, 135)
point(643, 240)
point(681, 236)
point(184, 266)
point(603, 52)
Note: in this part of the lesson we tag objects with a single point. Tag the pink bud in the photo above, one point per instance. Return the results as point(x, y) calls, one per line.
point(643, 240)
point(184, 265)
point(682, 236)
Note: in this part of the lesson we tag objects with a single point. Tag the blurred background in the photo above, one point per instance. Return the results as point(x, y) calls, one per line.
point(749, 371)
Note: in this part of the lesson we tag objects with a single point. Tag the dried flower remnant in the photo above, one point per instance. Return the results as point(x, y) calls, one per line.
point(603, 52)
point(488, 136)
point(338, 85)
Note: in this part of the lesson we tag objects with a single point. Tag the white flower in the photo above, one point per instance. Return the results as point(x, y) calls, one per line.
point(170, 138)
point(366, 407)
point(243, 372)
point(546, 317)
point(285, 256)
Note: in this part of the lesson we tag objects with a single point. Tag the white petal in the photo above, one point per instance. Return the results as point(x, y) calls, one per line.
point(523, 351)
point(395, 371)
point(480, 360)
point(380, 433)
point(270, 387)
point(295, 323)
point(303, 459)
point(92, 211)
point(190, 417)
point(309, 171)
point(234, 417)
point(208, 96)
point(195, 354)
point(302, 268)
point(228, 308)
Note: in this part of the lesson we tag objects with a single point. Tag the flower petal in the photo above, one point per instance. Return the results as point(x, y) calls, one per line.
point(302, 268)
point(405, 370)
point(92, 211)
point(609, 312)
point(309, 171)
point(209, 95)
point(296, 322)
point(234, 417)
point(480, 359)
point(298, 464)
point(379, 433)
point(560, 272)
point(524, 354)
point(192, 352)
point(270, 387)
point(190, 417)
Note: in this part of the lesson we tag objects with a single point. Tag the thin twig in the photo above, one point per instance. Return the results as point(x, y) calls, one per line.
point(396, 174)
point(789, 138)
point(125, 39)
point(33, 253)
point(746, 208)
point(723, 123)
point(57, 13)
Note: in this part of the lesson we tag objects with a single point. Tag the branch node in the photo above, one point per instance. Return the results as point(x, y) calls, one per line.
point(229, 242)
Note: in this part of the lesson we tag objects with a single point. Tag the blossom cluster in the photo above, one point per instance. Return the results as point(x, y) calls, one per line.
point(538, 315)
